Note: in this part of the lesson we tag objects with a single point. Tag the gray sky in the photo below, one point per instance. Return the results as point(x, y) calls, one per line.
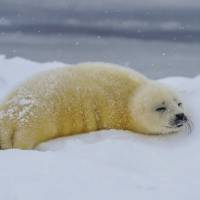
point(128, 17)
point(100, 4)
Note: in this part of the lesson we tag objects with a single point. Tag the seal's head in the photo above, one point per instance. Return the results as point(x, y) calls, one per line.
point(156, 109)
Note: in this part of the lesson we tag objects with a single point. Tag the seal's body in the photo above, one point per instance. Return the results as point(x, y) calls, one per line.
point(82, 98)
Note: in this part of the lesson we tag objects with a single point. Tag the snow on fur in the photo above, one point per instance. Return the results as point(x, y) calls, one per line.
point(105, 165)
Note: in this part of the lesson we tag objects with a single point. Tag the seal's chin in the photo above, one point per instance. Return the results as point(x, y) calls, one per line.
point(175, 128)
point(173, 131)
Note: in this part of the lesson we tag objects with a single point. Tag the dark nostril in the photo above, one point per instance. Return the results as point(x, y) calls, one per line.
point(181, 116)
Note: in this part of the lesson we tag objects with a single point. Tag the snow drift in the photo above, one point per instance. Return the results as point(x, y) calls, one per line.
point(107, 164)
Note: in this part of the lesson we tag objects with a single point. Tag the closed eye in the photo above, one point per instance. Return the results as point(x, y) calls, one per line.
point(179, 104)
point(161, 109)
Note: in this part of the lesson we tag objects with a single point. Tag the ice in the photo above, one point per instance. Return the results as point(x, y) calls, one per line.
point(107, 164)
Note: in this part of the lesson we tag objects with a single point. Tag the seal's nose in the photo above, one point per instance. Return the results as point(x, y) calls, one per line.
point(181, 117)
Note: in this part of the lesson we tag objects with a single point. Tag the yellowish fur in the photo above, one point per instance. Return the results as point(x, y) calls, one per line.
point(78, 99)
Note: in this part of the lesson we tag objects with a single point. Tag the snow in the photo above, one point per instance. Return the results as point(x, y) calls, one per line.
point(105, 165)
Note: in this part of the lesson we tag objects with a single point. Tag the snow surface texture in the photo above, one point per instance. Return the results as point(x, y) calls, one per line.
point(106, 165)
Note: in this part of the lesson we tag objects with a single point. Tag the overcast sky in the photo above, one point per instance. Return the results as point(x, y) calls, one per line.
point(98, 4)
point(74, 12)
point(124, 17)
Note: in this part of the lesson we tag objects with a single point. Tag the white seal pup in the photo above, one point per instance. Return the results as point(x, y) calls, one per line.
point(84, 98)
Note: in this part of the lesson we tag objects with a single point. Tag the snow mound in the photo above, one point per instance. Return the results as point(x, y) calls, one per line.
point(105, 165)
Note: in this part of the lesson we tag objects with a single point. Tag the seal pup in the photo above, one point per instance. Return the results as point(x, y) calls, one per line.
point(87, 97)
